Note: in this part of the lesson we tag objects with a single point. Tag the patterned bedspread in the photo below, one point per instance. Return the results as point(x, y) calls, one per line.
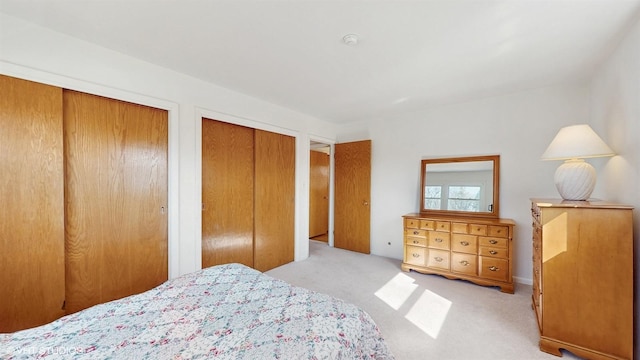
point(223, 312)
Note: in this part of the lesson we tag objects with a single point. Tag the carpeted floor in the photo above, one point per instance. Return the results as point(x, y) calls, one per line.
point(424, 316)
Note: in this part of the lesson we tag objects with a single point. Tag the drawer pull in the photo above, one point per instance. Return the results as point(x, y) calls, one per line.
point(493, 268)
point(493, 252)
point(416, 241)
point(416, 232)
point(438, 259)
point(464, 243)
point(416, 255)
point(439, 240)
point(464, 263)
point(492, 241)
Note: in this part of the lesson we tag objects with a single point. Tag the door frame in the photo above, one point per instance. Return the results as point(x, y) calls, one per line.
point(331, 144)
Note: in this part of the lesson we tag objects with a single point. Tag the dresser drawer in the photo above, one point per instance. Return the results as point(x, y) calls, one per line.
point(427, 224)
point(464, 263)
point(476, 229)
point(537, 297)
point(439, 240)
point(492, 241)
point(460, 228)
point(415, 255)
point(536, 236)
point(443, 226)
point(415, 232)
point(535, 212)
point(464, 243)
point(412, 223)
point(415, 241)
point(438, 259)
point(498, 231)
point(494, 252)
point(494, 268)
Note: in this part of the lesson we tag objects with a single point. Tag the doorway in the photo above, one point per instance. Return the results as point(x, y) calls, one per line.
point(319, 189)
point(345, 205)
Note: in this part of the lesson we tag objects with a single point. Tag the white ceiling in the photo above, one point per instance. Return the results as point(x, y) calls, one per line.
point(411, 54)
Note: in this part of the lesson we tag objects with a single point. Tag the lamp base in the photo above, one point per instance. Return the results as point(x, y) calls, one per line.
point(575, 179)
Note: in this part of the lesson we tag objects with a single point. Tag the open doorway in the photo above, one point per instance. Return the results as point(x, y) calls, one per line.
point(319, 180)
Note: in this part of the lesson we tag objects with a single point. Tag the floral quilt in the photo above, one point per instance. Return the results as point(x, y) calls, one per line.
point(223, 312)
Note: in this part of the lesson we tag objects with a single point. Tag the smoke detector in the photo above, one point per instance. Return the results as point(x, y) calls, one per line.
point(350, 39)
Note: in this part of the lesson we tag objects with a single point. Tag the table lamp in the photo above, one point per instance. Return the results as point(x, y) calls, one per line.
point(575, 178)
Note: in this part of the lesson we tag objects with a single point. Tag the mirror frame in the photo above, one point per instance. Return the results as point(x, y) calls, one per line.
point(496, 186)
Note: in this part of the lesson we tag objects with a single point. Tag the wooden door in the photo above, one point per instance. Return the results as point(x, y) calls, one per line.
point(274, 196)
point(227, 193)
point(116, 198)
point(32, 210)
point(318, 194)
point(352, 196)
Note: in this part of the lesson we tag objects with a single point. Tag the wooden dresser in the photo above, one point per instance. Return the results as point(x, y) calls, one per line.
point(474, 249)
point(583, 277)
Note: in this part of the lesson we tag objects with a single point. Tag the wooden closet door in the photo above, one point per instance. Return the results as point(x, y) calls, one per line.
point(318, 194)
point(115, 199)
point(274, 199)
point(352, 196)
point(32, 210)
point(227, 193)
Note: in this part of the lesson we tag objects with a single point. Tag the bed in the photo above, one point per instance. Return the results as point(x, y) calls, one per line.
point(223, 312)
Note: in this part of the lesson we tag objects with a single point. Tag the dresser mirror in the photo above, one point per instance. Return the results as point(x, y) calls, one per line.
point(461, 186)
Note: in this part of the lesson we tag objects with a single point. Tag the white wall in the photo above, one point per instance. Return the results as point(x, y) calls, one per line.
point(35, 53)
point(518, 127)
point(615, 113)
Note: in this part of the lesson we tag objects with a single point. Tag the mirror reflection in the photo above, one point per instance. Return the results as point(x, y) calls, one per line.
point(460, 185)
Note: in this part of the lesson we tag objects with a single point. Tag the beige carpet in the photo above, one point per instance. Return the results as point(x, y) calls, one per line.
point(424, 316)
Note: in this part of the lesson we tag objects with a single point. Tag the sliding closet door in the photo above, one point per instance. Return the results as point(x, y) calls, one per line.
point(115, 199)
point(32, 207)
point(227, 193)
point(274, 199)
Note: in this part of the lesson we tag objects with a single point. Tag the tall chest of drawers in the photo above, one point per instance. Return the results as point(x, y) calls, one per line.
point(474, 249)
point(583, 277)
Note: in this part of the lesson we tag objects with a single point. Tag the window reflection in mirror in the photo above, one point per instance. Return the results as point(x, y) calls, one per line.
point(461, 185)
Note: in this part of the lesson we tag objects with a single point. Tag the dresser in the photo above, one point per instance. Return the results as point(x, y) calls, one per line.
point(475, 249)
point(583, 277)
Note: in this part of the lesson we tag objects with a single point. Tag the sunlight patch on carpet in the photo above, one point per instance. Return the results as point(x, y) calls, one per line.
point(429, 313)
point(397, 290)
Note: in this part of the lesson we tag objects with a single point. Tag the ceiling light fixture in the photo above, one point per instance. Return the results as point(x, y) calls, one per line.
point(350, 39)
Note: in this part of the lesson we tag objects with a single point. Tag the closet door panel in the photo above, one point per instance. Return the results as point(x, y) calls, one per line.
point(115, 199)
point(32, 211)
point(274, 199)
point(227, 193)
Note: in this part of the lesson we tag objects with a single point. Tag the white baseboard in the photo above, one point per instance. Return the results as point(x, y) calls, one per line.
point(521, 280)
